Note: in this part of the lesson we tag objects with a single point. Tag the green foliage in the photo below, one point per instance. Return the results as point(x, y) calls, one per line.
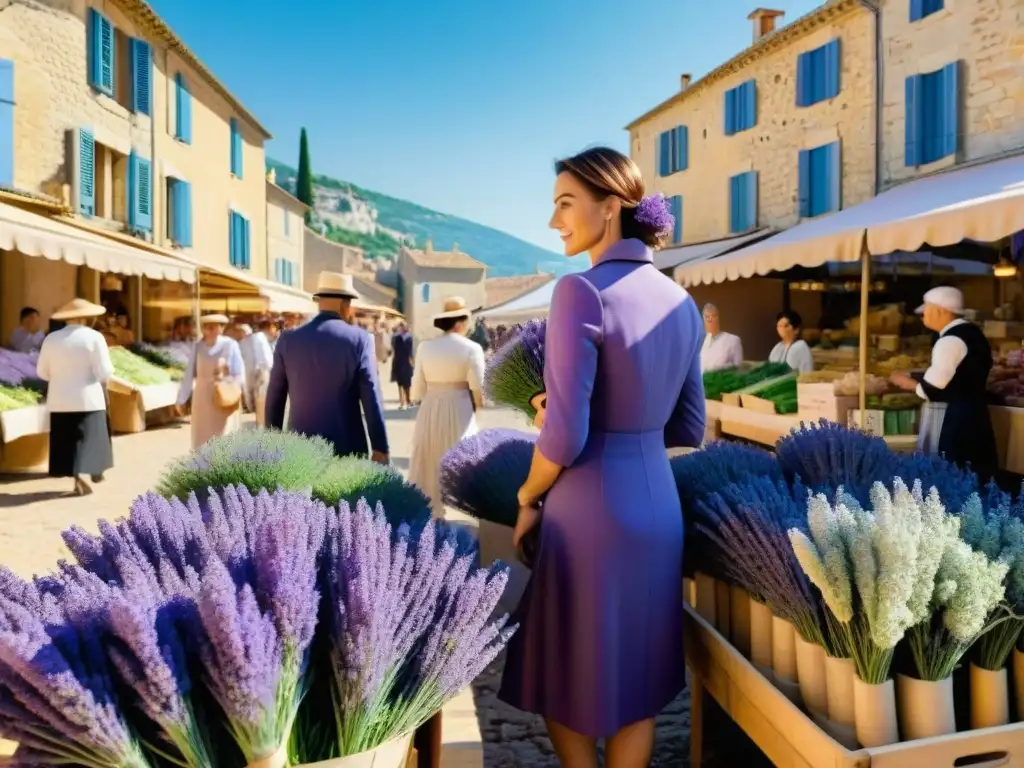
point(304, 178)
point(258, 459)
point(350, 479)
point(379, 245)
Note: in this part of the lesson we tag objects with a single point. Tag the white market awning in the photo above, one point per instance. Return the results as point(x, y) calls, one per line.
point(284, 298)
point(984, 203)
point(680, 255)
point(531, 304)
point(35, 235)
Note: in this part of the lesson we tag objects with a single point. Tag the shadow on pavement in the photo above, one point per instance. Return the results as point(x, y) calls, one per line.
point(8, 500)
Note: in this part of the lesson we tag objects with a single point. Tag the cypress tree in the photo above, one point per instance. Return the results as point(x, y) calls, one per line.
point(304, 182)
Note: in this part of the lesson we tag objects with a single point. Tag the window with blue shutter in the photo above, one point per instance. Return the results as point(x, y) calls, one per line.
point(921, 8)
point(743, 202)
point(141, 77)
point(100, 52)
point(932, 115)
point(239, 241)
point(741, 108)
point(86, 173)
point(820, 180)
point(817, 74)
point(236, 149)
point(180, 215)
point(676, 206)
point(140, 194)
point(182, 110)
point(674, 151)
point(425, 292)
point(6, 123)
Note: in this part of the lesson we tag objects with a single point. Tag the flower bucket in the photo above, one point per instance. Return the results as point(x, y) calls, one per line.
point(739, 620)
point(1018, 681)
point(761, 638)
point(722, 610)
point(810, 673)
point(990, 698)
point(784, 659)
point(391, 754)
point(874, 708)
point(706, 600)
point(840, 719)
point(925, 707)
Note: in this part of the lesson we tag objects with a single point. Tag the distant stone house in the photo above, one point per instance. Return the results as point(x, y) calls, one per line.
point(323, 255)
point(428, 277)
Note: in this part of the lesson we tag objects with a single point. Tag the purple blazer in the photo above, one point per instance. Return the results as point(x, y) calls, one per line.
point(329, 370)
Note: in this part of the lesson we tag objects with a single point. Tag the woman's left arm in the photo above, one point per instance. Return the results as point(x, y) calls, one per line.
point(475, 374)
point(570, 364)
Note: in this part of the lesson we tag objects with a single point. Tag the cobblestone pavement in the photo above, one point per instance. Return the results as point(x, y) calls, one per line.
point(34, 509)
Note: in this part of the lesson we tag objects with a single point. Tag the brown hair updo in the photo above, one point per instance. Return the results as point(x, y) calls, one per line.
point(605, 172)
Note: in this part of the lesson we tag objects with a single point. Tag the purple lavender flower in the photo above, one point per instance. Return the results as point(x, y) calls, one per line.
point(515, 372)
point(653, 212)
point(482, 474)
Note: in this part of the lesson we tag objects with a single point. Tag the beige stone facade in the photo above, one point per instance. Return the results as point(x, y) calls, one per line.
point(323, 255)
point(782, 129)
point(429, 277)
point(987, 37)
point(286, 242)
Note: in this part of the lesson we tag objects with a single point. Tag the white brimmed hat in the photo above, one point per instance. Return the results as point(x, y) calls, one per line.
point(454, 306)
point(77, 308)
point(211, 319)
point(949, 298)
point(335, 285)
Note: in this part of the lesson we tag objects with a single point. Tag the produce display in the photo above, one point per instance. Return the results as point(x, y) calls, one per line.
point(137, 370)
point(849, 384)
point(1006, 380)
point(17, 366)
point(162, 357)
point(15, 398)
point(731, 380)
point(780, 390)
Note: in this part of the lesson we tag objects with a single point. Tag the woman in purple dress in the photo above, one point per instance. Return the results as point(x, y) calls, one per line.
point(598, 652)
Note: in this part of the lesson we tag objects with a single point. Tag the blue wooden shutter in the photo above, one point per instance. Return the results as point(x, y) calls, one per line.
point(916, 10)
point(831, 69)
point(277, 270)
point(185, 235)
point(425, 292)
point(133, 191)
point(750, 200)
point(748, 98)
point(803, 79)
point(677, 213)
point(183, 110)
point(6, 123)
point(682, 148)
point(140, 194)
point(734, 199)
point(86, 173)
point(141, 77)
point(100, 52)
point(950, 109)
point(247, 231)
point(664, 155)
point(730, 112)
point(233, 239)
point(804, 183)
point(834, 173)
point(236, 149)
point(912, 122)
point(174, 210)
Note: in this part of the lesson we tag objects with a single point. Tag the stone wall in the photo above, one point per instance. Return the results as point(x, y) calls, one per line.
point(771, 147)
point(987, 36)
point(321, 254)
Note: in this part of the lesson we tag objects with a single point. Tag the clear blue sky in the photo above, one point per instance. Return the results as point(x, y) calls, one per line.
point(458, 105)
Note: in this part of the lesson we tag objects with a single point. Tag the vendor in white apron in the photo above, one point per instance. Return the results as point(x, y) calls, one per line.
point(720, 349)
point(955, 421)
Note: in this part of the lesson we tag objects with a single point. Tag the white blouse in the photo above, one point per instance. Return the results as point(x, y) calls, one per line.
point(449, 359)
point(797, 356)
point(75, 361)
point(225, 347)
point(723, 350)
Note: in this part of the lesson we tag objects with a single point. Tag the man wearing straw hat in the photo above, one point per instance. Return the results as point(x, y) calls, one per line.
point(327, 369)
point(76, 364)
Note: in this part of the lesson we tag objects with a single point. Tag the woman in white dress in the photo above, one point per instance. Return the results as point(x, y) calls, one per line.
point(215, 374)
point(720, 349)
point(792, 350)
point(448, 383)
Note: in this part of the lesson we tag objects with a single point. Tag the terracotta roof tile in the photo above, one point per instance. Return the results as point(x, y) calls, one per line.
point(502, 289)
point(428, 257)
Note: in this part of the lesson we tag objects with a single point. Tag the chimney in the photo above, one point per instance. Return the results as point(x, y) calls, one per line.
point(684, 81)
point(429, 247)
point(764, 21)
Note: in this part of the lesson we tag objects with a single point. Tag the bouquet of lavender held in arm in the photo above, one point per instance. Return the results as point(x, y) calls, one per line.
point(482, 474)
point(515, 373)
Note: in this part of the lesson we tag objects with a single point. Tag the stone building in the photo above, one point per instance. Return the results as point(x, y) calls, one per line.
point(428, 277)
point(784, 130)
point(286, 242)
point(953, 84)
point(322, 255)
point(500, 290)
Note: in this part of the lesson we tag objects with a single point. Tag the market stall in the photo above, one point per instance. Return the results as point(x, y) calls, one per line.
point(145, 384)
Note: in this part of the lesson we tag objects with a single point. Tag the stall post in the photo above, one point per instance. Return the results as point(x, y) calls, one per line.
point(865, 285)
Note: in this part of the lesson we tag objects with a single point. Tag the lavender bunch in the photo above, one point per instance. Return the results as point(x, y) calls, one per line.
point(745, 526)
point(57, 693)
point(350, 479)
point(409, 624)
point(258, 632)
point(515, 372)
point(482, 474)
point(718, 464)
point(257, 459)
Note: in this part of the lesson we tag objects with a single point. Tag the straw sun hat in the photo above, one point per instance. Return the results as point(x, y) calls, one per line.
point(213, 320)
point(454, 306)
point(77, 309)
point(335, 285)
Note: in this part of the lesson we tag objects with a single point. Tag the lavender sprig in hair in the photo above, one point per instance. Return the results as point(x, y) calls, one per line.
point(515, 373)
point(653, 211)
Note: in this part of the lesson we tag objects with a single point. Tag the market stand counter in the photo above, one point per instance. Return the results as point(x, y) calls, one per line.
point(131, 404)
point(24, 433)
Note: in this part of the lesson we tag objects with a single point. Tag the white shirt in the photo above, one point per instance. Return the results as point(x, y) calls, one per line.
point(76, 363)
point(947, 354)
point(449, 359)
point(257, 354)
point(723, 350)
point(23, 341)
point(797, 356)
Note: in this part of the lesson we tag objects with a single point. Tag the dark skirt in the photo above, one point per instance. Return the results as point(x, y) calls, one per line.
point(80, 443)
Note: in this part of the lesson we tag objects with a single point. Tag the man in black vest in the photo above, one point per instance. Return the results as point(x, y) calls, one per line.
point(956, 422)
